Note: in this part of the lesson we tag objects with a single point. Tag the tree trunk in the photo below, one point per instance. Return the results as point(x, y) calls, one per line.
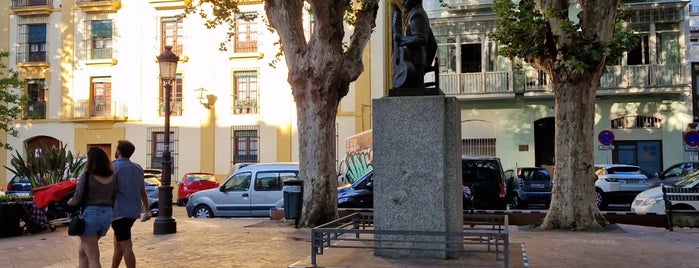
point(316, 114)
point(572, 204)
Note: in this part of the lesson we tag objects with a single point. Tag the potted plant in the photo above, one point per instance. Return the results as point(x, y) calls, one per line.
point(240, 105)
point(252, 106)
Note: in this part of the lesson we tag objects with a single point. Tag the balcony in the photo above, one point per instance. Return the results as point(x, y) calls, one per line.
point(175, 106)
point(93, 111)
point(31, 7)
point(31, 52)
point(245, 106)
point(652, 79)
point(34, 110)
point(98, 5)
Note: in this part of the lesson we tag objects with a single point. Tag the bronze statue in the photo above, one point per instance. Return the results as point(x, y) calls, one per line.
point(414, 52)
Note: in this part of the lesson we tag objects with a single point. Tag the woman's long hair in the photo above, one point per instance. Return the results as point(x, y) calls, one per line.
point(98, 162)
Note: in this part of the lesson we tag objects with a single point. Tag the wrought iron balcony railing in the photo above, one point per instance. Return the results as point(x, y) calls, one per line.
point(90, 108)
point(32, 52)
point(616, 77)
point(29, 3)
point(34, 110)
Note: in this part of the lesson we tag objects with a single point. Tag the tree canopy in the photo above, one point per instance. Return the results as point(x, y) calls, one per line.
point(10, 99)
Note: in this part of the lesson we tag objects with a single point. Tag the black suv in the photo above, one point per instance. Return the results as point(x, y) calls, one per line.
point(486, 180)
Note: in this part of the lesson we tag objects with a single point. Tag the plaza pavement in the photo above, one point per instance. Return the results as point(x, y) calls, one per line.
point(260, 242)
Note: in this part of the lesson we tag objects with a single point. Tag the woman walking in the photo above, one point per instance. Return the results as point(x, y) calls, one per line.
point(97, 200)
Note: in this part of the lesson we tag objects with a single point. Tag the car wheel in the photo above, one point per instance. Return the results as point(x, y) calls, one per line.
point(518, 203)
point(600, 200)
point(203, 211)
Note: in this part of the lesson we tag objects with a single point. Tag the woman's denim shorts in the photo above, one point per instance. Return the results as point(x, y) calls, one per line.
point(97, 220)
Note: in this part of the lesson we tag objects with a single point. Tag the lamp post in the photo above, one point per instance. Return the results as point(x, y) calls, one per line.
point(165, 223)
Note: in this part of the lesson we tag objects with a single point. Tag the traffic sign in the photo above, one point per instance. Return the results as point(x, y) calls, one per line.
point(691, 149)
point(607, 147)
point(691, 138)
point(606, 137)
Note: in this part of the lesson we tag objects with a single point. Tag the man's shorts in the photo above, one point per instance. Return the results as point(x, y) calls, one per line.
point(122, 228)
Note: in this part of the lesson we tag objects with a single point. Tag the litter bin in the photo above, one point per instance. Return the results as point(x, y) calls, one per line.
point(293, 198)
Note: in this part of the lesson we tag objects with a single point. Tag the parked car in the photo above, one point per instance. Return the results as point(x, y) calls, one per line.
point(251, 191)
point(673, 173)
point(20, 186)
point(359, 194)
point(484, 176)
point(651, 200)
point(153, 195)
point(528, 185)
point(193, 182)
point(618, 184)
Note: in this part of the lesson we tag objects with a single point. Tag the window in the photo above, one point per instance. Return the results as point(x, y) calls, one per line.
point(171, 34)
point(272, 181)
point(36, 105)
point(640, 54)
point(99, 35)
point(32, 39)
point(668, 48)
point(245, 144)
point(246, 33)
point(101, 92)
point(245, 92)
point(156, 145)
point(239, 182)
point(640, 121)
point(175, 98)
point(483, 146)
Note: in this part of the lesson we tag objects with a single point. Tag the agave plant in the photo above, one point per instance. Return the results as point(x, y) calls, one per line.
point(47, 167)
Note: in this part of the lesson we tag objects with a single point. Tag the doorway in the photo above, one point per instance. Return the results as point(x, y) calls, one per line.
point(544, 141)
point(104, 146)
point(645, 154)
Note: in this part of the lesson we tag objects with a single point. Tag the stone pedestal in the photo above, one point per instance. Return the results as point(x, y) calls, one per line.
point(417, 173)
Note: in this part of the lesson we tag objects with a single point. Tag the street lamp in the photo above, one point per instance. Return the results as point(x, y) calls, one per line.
point(165, 223)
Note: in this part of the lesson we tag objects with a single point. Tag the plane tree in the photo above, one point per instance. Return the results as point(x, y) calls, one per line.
point(320, 70)
point(573, 53)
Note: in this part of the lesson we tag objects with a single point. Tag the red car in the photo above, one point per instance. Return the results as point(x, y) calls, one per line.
point(193, 182)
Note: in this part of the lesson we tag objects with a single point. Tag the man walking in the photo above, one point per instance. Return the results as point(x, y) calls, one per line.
point(130, 200)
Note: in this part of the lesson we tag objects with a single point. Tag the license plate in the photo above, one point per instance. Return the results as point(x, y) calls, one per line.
point(537, 185)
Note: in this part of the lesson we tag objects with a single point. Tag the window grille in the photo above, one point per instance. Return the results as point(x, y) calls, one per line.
point(481, 146)
point(156, 147)
point(245, 144)
point(638, 121)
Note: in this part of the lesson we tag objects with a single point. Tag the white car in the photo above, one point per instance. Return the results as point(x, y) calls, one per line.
point(618, 184)
point(651, 200)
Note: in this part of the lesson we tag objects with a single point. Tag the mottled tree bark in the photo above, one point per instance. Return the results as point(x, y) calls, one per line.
point(320, 72)
point(572, 205)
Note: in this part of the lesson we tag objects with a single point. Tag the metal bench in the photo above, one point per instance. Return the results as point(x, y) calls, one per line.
point(678, 210)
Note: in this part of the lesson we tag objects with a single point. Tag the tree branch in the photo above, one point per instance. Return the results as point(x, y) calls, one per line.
point(364, 26)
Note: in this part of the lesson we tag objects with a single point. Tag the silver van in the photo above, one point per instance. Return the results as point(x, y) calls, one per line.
point(251, 191)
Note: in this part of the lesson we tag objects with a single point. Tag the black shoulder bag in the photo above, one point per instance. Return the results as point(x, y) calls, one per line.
point(76, 226)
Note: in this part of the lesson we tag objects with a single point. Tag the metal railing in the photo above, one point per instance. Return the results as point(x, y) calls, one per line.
point(485, 233)
point(615, 77)
point(28, 3)
point(25, 53)
point(34, 110)
point(89, 108)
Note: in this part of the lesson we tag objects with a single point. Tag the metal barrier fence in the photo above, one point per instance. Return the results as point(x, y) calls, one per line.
point(481, 233)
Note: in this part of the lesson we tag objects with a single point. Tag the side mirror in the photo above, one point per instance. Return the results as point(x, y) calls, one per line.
point(656, 175)
point(370, 185)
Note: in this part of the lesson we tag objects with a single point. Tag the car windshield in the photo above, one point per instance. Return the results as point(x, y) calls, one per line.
point(480, 170)
point(534, 174)
point(687, 180)
point(20, 180)
point(623, 170)
point(200, 177)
